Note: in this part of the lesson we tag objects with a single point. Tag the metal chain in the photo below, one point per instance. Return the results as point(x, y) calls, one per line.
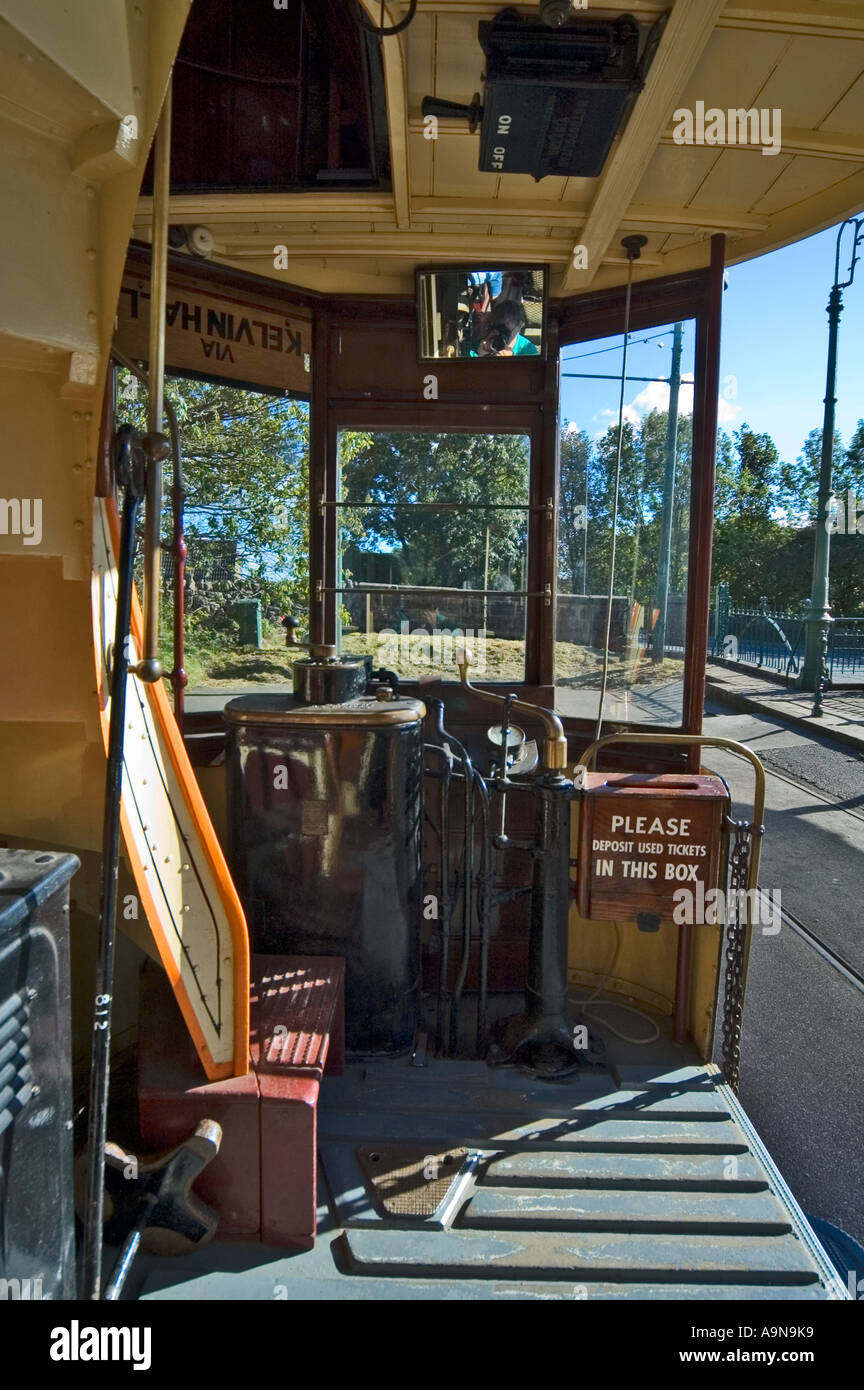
point(736, 938)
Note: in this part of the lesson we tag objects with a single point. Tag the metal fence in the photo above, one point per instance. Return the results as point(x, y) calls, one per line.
point(773, 640)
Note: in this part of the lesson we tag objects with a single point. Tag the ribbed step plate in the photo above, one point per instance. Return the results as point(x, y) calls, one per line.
point(596, 1256)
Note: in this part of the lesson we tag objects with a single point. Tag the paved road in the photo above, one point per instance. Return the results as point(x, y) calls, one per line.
point(801, 1079)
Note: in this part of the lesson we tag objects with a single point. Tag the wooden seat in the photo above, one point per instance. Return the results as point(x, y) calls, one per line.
point(263, 1183)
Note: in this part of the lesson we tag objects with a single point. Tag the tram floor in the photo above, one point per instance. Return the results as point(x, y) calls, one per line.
point(644, 1181)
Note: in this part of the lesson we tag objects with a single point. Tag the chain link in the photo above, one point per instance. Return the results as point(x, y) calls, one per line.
point(736, 939)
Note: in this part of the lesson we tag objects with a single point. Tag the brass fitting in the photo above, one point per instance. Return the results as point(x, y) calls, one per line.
point(555, 742)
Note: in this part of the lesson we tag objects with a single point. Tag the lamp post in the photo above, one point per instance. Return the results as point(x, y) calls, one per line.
point(818, 619)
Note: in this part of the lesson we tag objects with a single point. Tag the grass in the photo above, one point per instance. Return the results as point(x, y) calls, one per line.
point(214, 662)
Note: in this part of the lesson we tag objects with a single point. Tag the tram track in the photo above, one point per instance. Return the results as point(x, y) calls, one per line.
point(843, 967)
point(811, 791)
point(828, 954)
point(814, 938)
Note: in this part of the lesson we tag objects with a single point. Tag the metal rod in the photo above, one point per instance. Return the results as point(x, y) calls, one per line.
point(444, 861)
point(467, 893)
point(129, 1249)
point(100, 1060)
point(555, 742)
point(179, 679)
point(435, 506)
point(614, 376)
point(149, 668)
point(658, 643)
point(633, 245)
point(428, 589)
point(483, 917)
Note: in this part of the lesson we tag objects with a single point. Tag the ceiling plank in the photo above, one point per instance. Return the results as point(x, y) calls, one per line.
point(690, 26)
point(650, 216)
point(819, 144)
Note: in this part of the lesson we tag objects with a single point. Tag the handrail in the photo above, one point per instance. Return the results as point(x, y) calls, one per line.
point(179, 552)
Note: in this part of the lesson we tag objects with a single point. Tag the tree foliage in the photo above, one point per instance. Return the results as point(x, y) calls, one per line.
point(246, 473)
point(436, 502)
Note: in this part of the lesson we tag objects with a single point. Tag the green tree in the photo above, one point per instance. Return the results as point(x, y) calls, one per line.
point(575, 503)
point(246, 473)
point(395, 483)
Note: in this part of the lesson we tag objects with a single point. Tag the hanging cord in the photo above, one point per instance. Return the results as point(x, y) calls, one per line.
point(633, 246)
point(584, 1004)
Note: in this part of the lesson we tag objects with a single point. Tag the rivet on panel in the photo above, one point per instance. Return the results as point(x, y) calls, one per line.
point(79, 525)
point(91, 253)
point(91, 316)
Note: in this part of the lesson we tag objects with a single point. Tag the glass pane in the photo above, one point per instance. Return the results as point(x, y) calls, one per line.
point(647, 614)
point(433, 550)
point(420, 635)
point(439, 548)
point(246, 473)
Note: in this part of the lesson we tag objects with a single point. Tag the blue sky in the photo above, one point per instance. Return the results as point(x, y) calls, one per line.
point(775, 342)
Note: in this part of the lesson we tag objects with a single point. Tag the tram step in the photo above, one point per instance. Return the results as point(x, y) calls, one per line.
point(651, 1171)
point(592, 1257)
point(745, 1213)
point(698, 1134)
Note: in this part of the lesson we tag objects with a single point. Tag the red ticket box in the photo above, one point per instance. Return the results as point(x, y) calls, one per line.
point(644, 836)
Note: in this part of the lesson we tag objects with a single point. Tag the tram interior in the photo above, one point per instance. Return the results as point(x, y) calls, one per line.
point(390, 914)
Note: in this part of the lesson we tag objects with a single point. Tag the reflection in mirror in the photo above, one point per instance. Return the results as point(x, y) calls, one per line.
point(482, 313)
point(647, 622)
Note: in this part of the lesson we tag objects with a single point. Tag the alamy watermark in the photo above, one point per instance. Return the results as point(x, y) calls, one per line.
point(844, 519)
point(437, 647)
point(21, 516)
point(736, 126)
point(714, 907)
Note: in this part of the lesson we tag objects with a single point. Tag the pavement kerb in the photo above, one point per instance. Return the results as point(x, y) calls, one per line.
point(734, 699)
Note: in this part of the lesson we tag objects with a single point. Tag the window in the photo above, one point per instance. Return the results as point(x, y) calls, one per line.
point(433, 550)
point(246, 474)
point(647, 620)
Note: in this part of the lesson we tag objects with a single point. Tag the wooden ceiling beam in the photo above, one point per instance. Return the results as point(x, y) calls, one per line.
point(690, 26)
point(817, 18)
point(414, 247)
point(646, 216)
point(214, 209)
point(396, 91)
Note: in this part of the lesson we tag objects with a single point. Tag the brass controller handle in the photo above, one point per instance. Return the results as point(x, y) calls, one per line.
point(320, 651)
point(555, 742)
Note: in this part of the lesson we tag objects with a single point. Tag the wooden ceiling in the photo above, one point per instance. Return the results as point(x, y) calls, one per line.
point(802, 57)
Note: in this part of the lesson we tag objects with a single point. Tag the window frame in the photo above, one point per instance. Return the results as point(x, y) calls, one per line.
point(339, 404)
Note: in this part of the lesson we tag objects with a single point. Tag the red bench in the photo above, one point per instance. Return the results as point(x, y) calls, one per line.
point(263, 1182)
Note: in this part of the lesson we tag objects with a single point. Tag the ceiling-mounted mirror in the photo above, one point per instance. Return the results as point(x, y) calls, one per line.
point(478, 312)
